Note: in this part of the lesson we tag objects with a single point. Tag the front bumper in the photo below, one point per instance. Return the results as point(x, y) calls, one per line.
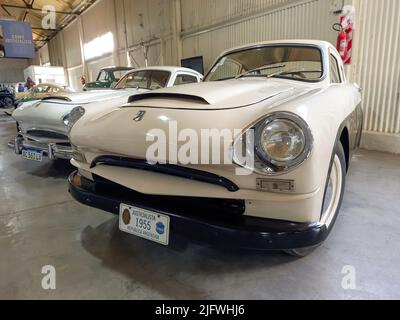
point(51, 150)
point(213, 223)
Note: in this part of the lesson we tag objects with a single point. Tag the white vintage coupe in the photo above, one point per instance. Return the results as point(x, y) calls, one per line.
point(43, 125)
point(281, 115)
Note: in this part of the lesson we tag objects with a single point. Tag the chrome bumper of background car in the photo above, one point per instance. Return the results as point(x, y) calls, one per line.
point(210, 220)
point(51, 150)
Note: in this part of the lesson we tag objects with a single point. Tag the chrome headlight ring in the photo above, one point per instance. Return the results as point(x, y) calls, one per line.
point(71, 118)
point(282, 142)
point(66, 120)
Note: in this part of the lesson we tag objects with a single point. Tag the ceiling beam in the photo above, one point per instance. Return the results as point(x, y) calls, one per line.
point(26, 3)
point(5, 9)
point(43, 29)
point(24, 17)
point(45, 37)
point(35, 9)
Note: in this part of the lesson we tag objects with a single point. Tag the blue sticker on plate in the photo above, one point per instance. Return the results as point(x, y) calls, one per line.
point(160, 228)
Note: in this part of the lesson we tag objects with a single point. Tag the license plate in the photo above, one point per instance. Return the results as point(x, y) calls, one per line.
point(144, 223)
point(32, 154)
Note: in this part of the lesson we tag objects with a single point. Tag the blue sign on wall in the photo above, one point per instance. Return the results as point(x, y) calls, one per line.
point(18, 42)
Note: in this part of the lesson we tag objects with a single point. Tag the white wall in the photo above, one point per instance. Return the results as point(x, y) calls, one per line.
point(265, 20)
point(377, 70)
point(72, 46)
point(12, 70)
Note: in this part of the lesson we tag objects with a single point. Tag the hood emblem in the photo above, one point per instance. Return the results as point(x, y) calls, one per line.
point(139, 116)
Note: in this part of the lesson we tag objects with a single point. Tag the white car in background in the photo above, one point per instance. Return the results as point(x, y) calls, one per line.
point(42, 91)
point(43, 125)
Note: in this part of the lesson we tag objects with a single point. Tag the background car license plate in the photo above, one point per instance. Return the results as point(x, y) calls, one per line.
point(32, 154)
point(144, 223)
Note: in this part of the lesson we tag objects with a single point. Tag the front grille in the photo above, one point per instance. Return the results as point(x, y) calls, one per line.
point(169, 169)
point(64, 144)
point(214, 208)
point(47, 134)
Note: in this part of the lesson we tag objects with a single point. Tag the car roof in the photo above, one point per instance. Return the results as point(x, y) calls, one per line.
point(324, 45)
point(171, 69)
point(111, 68)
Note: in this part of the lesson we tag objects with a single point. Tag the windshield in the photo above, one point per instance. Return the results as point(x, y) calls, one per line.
point(118, 74)
point(40, 89)
point(103, 76)
point(293, 62)
point(145, 79)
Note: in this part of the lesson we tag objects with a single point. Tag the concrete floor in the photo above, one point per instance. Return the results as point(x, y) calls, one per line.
point(41, 225)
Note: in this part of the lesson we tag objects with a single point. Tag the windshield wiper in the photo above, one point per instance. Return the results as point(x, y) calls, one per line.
point(259, 69)
point(295, 71)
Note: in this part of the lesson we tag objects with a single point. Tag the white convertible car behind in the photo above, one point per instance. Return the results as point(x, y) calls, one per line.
point(256, 156)
point(43, 125)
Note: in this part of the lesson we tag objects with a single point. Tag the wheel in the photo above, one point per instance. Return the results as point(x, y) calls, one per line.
point(333, 197)
point(8, 102)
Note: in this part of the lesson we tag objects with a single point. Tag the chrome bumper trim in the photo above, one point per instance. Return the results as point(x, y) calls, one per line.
point(51, 150)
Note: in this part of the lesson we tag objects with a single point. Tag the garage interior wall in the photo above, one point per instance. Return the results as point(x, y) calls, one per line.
point(12, 70)
point(376, 68)
point(161, 32)
point(252, 21)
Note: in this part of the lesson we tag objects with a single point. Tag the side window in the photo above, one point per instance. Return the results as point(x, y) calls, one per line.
point(184, 79)
point(334, 70)
point(54, 89)
point(40, 89)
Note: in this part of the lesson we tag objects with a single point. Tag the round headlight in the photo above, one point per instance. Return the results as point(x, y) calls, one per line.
point(75, 114)
point(283, 140)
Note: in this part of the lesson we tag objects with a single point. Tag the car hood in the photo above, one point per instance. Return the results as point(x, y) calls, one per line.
point(93, 96)
point(128, 130)
point(215, 95)
point(49, 113)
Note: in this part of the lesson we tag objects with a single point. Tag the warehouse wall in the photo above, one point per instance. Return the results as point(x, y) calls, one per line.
point(12, 70)
point(197, 14)
point(72, 46)
point(149, 31)
point(42, 56)
point(377, 70)
point(252, 21)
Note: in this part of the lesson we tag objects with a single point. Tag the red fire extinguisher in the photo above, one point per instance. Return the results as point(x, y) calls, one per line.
point(342, 41)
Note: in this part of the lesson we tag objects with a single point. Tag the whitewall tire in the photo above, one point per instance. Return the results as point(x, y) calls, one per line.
point(333, 197)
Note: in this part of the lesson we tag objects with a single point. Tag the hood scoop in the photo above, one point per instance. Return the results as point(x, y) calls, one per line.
point(57, 98)
point(164, 95)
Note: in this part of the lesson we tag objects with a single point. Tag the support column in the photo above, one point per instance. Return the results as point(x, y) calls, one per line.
point(177, 29)
point(116, 58)
point(64, 58)
point(81, 39)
